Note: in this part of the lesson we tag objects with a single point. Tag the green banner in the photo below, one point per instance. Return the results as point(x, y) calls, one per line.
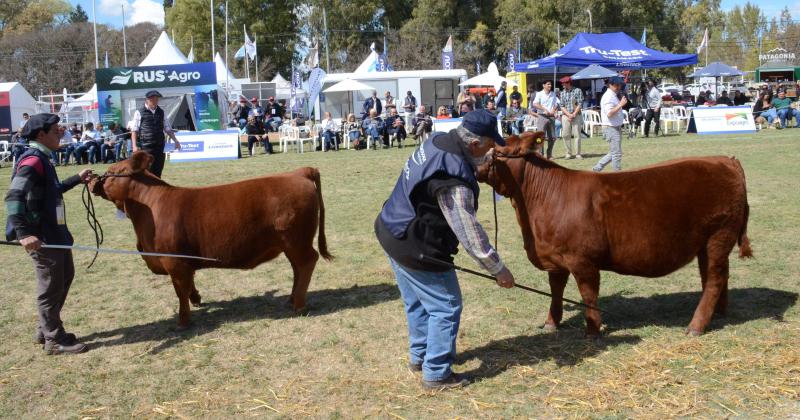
point(206, 108)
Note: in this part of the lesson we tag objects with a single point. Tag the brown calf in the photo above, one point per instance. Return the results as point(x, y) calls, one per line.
point(242, 224)
point(645, 222)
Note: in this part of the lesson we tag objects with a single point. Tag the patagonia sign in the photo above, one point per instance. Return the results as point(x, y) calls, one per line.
point(127, 78)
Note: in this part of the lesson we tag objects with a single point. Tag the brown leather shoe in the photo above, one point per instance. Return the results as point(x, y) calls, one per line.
point(453, 381)
point(415, 367)
point(54, 348)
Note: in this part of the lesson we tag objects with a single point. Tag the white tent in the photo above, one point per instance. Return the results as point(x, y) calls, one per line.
point(19, 101)
point(280, 81)
point(348, 85)
point(164, 52)
point(87, 99)
point(223, 74)
point(491, 78)
point(369, 64)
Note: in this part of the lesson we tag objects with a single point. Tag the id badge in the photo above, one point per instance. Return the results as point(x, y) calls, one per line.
point(61, 217)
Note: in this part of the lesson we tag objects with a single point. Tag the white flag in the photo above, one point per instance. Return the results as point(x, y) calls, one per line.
point(249, 47)
point(448, 47)
point(191, 55)
point(703, 44)
point(312, 59)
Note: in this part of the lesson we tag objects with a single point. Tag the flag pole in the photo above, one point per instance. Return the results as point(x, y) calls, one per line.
point(246, 58)
point(94, 26)
point(227, 72)
point(124, 39)
point(213, 47)
point(255, 44)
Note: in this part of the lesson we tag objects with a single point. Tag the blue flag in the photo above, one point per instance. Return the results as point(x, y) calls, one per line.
point(644, 37)
point(511, 60)
point(447, 55)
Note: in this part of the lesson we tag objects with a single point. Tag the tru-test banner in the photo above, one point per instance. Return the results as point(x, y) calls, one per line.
point(199, 78)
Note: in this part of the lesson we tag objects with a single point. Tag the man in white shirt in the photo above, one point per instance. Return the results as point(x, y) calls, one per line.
point(653, 102)
point(148, 129)
point(611, 119)
point(546, 105)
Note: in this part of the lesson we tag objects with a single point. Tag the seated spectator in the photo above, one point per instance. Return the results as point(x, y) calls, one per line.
point(241, 112)
point(255, 133)
point(466, 106)
point(724, 99)
point(373, 127)
point(274, 115)
point(352, 129)
point(422, 123)
point(442, 114)
point(395, 126)
point(490, 106)
point(764, 111)
point(514, 117)
point(65, 147)
point(784, 110)
point(256, 111)
point(739, 99)
point(88, 143)
point(329, 132)
point(113, 141)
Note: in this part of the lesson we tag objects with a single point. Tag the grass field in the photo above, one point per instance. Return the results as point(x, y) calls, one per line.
point(249, 355)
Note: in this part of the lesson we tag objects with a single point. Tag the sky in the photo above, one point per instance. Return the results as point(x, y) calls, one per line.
point(110, 11)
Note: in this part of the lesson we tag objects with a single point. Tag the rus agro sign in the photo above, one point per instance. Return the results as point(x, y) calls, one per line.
point(116, 84)
point(152, 77)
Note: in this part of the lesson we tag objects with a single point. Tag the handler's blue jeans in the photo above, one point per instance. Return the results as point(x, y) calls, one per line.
point(433, 309)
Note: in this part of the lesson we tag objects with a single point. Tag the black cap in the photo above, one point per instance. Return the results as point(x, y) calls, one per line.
point(483, 123)
point(38, 123)
point(616, 80)
point(153, 93)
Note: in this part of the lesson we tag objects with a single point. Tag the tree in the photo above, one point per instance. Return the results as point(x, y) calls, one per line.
point(78, 15)
point(39, 14)
point(9, 10)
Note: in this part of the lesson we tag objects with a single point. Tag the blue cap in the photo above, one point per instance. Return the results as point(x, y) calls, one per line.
point(616, 80)
point(483, 123)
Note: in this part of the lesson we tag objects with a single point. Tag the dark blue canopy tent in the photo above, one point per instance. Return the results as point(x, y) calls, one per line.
point(716, 69)
point(616, 50)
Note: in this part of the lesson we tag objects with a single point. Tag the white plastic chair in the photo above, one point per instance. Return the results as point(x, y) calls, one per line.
point(682, 114)
point(591, 119)
point(5, 152)
point(669, 119)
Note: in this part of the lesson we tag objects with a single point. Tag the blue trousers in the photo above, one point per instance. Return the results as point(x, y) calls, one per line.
point(787, 113)
point(433, 310)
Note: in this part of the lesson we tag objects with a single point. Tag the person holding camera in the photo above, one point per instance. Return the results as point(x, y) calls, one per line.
point(611, 105)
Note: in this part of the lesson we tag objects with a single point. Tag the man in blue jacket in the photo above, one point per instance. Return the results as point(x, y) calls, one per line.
point(430, 211)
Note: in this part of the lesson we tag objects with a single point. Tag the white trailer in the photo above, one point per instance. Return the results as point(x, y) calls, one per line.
point(432, 88)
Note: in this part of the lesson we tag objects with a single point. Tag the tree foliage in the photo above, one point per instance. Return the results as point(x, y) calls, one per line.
point(78, 15)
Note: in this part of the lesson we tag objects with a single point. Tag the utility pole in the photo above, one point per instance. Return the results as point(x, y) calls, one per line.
point(325, 28)
point(124, 39)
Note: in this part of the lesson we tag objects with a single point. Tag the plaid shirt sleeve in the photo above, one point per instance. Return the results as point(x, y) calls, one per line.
point(457, 204)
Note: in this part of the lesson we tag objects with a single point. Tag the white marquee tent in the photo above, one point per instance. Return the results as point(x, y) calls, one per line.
point(164, 52)
point(20, 101)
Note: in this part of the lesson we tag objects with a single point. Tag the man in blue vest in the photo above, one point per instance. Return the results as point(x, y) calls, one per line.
point(430, 211)
point(36, 216)
point(148, 129)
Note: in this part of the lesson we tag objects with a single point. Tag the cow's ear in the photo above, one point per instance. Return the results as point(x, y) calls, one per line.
point(530, 142)
point(140, 161)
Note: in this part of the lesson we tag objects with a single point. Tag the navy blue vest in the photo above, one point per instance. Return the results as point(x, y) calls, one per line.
point(49, 230)
point(427, 161)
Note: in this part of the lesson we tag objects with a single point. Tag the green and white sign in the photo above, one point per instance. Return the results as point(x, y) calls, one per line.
point(152, 77)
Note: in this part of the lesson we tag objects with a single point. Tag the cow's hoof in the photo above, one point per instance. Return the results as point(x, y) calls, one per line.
point(183, 327)
point(549, 327)
point(196, 299)
point(595, 339)
point(693, 333)
point(301, 311)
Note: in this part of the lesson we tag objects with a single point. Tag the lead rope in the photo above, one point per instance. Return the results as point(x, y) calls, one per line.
point(91, 218)
point(494, 203)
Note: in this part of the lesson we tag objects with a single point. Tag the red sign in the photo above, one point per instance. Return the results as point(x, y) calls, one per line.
point(4, 99)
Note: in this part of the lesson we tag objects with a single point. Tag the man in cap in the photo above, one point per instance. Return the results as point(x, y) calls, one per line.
point(611, 119)
point(36, 216)
point(274, 114)
point(148, 129)
point(430, 211)
point(256, 111)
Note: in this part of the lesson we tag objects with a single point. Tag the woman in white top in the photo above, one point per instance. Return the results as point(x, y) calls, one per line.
point(329, 132)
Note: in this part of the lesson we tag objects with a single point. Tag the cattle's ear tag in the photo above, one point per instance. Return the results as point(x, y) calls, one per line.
point(120, 214)
point(538, 139)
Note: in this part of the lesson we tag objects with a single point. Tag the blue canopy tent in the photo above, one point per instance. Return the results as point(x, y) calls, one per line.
point(594, 72)
point(716, 70)
point(614, 50)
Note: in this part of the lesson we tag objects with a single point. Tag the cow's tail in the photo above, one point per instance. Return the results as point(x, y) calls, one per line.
point(322, 243)
point(745, 251)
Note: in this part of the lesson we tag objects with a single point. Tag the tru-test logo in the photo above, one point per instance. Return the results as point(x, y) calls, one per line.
point(154, 76)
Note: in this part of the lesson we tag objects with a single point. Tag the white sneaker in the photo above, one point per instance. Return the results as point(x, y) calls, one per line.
point(567, 156)
point(578, 157)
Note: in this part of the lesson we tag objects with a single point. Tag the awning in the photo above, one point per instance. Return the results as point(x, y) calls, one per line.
point(616, 51)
